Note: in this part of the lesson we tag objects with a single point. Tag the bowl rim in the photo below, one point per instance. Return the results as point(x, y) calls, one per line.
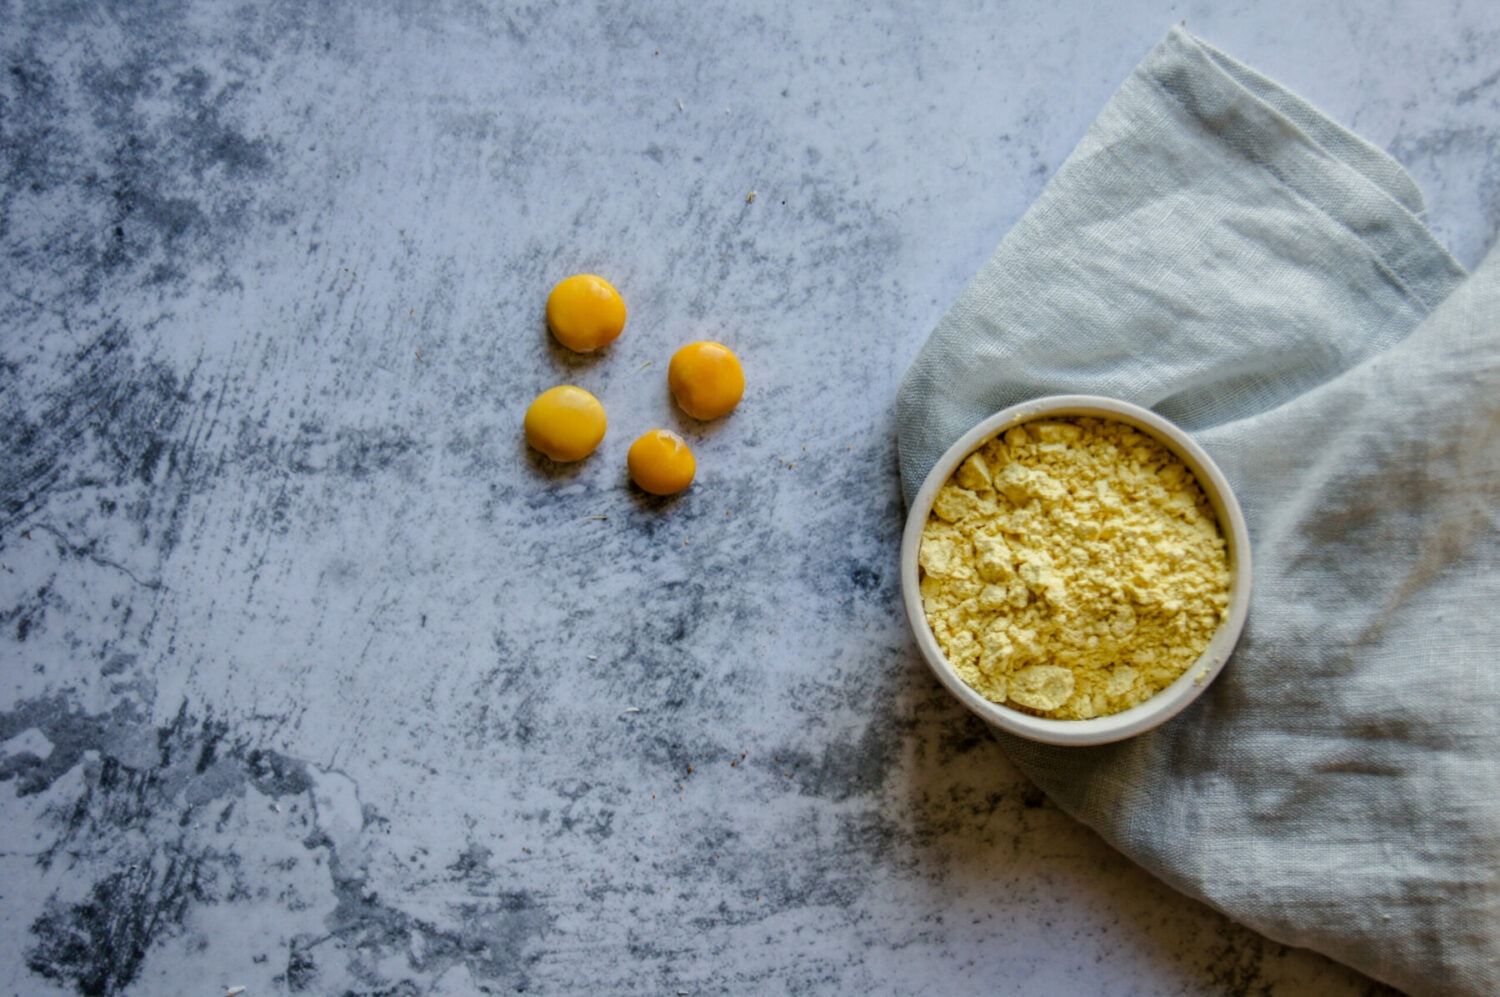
point(1194, 680)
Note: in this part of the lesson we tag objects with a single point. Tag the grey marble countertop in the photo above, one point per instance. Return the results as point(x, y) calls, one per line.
point(316, 680)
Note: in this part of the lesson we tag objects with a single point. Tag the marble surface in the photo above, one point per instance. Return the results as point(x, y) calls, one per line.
point(315, 680)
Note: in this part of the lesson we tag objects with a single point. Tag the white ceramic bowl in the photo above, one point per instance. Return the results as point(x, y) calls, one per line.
point(1168, 702)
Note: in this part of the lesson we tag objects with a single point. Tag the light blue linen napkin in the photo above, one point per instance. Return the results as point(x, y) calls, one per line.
point(1218, 250)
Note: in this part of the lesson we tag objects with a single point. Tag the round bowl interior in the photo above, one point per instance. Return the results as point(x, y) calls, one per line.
point(1168, 702)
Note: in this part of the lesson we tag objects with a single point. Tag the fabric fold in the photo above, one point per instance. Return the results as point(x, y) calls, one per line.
point(1198, 253)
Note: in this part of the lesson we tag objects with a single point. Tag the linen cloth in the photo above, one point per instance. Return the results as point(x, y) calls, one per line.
point(1218, 250)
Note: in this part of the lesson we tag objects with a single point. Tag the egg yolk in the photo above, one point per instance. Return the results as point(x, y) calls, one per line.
point(661, 463)
point(585, 312)
point(706, 379)
point(565, 423)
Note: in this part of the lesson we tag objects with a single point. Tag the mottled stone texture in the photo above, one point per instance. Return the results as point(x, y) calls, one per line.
point(314, 680)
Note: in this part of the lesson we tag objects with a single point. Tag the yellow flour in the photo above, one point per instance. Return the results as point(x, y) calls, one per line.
point(1072, 568)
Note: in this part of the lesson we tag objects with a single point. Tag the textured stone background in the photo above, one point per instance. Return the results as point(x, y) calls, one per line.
point(314, 679)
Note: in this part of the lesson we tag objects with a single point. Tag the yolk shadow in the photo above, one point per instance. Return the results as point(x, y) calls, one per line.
point(570, 360)
point(546, 467)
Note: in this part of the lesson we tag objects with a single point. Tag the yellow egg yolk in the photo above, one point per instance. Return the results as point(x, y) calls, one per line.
point(706, 379)
point(585, 312)
point(565, 423)
point(661, 463)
